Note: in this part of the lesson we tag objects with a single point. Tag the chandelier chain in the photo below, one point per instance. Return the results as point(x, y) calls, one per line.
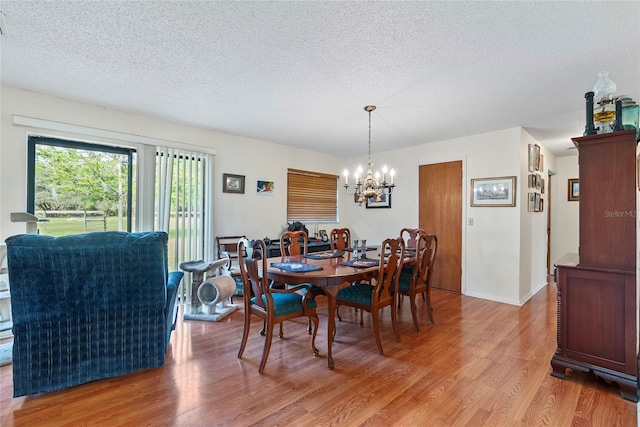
point(369, 135)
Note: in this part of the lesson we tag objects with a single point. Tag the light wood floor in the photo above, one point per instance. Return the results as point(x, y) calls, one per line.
point(482, 364)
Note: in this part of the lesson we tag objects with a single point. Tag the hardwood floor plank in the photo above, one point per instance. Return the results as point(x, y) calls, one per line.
point(481, 364)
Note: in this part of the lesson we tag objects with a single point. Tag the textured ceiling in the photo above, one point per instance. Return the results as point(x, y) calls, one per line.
point(300, 73)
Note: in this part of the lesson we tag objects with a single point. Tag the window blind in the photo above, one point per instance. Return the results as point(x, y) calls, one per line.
point(311, 196)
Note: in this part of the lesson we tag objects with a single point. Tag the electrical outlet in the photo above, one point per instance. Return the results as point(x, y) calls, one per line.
point(470, 221)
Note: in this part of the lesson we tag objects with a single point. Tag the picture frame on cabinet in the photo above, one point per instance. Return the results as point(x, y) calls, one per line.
point(573, 189)
point(493, 192)
point(232, 183)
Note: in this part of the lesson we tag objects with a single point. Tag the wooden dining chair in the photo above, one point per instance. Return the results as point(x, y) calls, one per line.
point(340, 239)
point(410, 237)
point(273, 306)
point(383, 290)
point(418, 281)
point(297, 243)
point(294, 243)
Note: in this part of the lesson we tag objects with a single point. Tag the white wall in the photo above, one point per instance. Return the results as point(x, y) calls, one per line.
point(255, 216)
point(533, 226)
point(565, 222)
point(493, 248)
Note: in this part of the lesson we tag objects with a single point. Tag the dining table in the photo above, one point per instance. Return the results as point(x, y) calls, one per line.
point(326, 270)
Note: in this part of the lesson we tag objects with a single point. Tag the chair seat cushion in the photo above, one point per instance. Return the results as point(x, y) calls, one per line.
point(359, 293)
point(287, 303)
point(405, 279)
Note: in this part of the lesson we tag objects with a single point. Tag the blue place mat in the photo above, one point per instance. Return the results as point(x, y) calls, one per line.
point(324, 255)
point(296, 267)
point(362, 263)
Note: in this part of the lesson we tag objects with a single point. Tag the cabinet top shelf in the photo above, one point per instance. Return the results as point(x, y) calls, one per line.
point(594, 138)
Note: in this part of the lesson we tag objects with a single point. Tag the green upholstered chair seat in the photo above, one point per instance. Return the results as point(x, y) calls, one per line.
point(359, 293)
point(405, 279)
point(287, 303)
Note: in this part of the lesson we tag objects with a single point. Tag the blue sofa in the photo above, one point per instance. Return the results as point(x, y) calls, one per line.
point(88, 306)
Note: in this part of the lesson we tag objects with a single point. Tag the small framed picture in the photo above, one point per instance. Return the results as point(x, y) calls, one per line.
point(536, 159)
point(265, 188)
point(573, 190)
point(532, 202)
point(493, 191)
point(232, 183)
point(532, 157)
point(384, 202)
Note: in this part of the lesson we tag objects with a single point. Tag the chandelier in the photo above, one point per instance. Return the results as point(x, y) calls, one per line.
point(371, 187)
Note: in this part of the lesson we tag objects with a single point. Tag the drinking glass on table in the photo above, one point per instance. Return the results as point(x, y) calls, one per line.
point(363, 249)
point(355, 248)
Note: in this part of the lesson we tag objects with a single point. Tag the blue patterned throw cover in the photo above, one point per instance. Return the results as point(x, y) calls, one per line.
point(324, 255)
point(295, 267)
point(362, 263)
point(88, 306)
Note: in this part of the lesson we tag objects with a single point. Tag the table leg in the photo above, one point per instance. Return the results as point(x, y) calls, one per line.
point(332, 294)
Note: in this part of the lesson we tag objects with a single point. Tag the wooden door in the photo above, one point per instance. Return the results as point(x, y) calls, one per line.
point(440, 213)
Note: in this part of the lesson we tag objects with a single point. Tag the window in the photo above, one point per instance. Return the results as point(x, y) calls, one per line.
point(311, 196)
point(77, 187)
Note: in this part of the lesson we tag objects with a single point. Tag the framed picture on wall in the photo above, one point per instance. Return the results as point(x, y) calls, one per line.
point(532, 158)
point(532, 202)
point(265, 188)
point(232, 183)
point(493, 191)
point(384, 202)
point(573, 189)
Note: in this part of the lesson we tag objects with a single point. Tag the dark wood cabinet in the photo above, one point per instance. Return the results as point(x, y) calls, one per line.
point(597, 288)
point(273, 249)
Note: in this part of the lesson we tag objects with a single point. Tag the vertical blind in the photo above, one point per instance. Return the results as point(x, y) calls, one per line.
point(183, 179)
point(311, 196)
